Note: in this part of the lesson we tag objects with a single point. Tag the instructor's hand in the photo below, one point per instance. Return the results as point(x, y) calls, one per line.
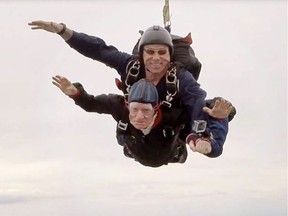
point(45, 25)
point(220, 110)
point(202, 146)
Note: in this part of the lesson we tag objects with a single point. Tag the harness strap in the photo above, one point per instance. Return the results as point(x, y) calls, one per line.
point(172, 81)
point(132, 71)
point(172, 85)
point(172, 121)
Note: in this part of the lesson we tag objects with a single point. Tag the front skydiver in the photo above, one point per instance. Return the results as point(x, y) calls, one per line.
point(148, 133)
point(176, 86)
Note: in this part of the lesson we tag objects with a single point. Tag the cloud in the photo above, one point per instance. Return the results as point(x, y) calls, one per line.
point(14, 195)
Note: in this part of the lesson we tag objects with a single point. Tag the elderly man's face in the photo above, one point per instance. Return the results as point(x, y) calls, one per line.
point(156, 57)
point(140, 114)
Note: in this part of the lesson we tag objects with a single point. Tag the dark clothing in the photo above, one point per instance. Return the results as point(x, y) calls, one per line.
point(161, 146)
point(191, 95)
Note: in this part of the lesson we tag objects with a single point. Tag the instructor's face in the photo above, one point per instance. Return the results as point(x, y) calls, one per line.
point(140, 114)
point(156, 58)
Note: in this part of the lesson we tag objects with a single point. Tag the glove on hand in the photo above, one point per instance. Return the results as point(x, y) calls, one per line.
point(198, 143)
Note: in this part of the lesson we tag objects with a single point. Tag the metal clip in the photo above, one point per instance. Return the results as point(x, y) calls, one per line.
point(122, 125)
point(168, 132)
point(172, 82)
point(132, 73)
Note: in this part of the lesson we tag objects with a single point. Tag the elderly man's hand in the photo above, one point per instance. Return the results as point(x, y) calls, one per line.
point(64, 85)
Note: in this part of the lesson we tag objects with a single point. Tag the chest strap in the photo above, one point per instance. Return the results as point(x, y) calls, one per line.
point(132, 73)
point(172, 81)
point(172, 86)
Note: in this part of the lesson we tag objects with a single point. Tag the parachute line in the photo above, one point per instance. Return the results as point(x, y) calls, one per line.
point(166, 15)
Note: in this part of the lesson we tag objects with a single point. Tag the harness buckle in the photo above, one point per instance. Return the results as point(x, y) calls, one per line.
point(171, 85)
point(132, 73)
point(123, 126)
point(168, 132)
point(172, 82)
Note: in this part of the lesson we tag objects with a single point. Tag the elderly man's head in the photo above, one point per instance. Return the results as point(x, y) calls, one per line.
point(142, 99)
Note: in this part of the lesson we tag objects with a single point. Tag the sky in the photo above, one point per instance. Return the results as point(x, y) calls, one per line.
point(58, 160)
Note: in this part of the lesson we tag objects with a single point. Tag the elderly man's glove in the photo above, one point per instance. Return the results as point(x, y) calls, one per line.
point(199, 143)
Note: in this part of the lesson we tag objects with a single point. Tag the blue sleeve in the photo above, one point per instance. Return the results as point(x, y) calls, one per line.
point(96, 48)
point(219, 131)
point(192, 96)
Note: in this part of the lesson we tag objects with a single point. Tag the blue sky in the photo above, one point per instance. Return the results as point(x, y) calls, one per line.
point(55, 159)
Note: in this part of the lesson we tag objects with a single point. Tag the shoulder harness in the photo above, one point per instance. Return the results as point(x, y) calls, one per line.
point(172, 81)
